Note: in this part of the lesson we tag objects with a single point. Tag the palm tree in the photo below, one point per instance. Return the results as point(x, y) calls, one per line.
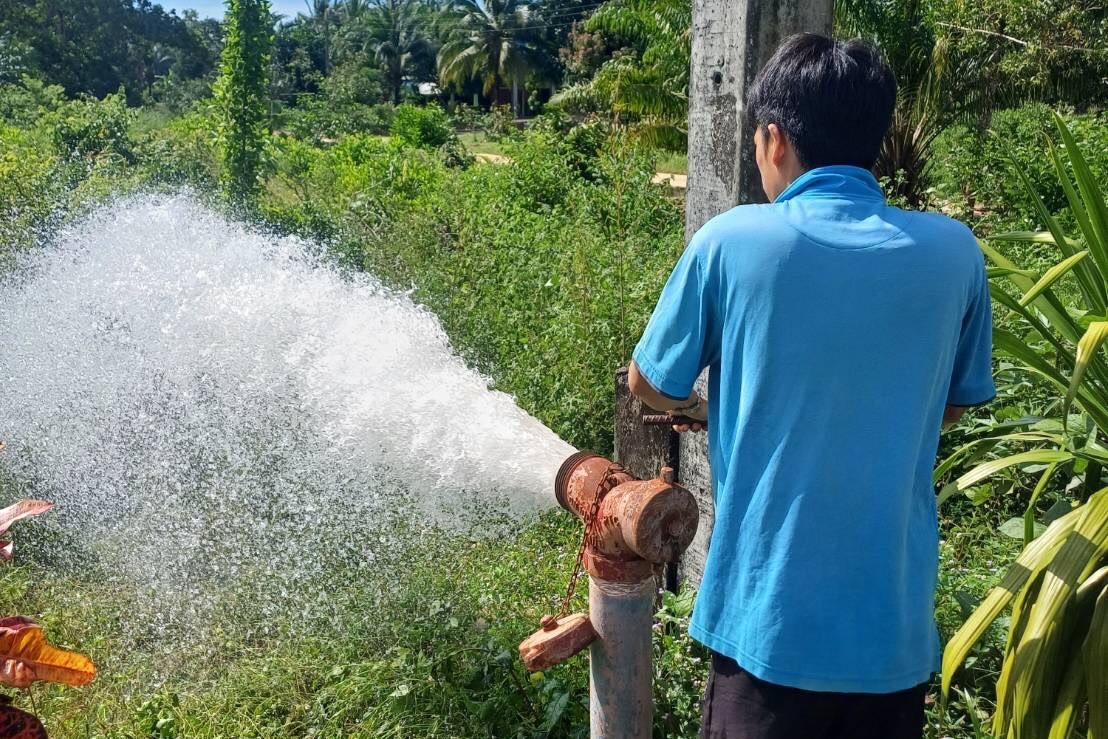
point(396, 34)
point(492, 41)
point(321, 15)
point(647, 91)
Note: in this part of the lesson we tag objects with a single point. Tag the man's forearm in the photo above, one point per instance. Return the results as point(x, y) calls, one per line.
point(642, 389)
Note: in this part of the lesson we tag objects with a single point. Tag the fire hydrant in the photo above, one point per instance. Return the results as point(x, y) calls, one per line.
point(631, 526)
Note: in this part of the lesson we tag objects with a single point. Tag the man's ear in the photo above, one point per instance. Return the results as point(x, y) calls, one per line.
point(776, 144)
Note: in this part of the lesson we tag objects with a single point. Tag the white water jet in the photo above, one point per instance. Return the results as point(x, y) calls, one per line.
point(223, 418)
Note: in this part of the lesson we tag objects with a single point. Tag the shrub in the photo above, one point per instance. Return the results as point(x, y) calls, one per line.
point(90, 129)
point(972, 166)
point(424, 127)
point(25, 102)
point(1054, 669)
point(182, 153)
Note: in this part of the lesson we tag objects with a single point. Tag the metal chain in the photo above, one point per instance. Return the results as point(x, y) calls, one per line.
point(590, 522)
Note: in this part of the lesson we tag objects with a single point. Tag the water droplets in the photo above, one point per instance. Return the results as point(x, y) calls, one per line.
point(227, 424)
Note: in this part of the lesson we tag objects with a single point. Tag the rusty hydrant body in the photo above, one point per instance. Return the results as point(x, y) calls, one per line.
point(637, 525)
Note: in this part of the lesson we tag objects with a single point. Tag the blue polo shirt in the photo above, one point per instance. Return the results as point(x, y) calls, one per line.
point(835, 329)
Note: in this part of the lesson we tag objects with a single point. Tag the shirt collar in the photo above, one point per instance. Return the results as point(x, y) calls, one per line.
point(837, 181)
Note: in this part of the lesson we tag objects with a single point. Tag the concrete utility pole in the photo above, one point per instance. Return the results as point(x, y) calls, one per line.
point(731, 41)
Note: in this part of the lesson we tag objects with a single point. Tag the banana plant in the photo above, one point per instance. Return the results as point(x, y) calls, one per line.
point(1053, 683)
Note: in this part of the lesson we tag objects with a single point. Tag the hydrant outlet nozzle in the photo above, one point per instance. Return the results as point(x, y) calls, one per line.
point(636, 520)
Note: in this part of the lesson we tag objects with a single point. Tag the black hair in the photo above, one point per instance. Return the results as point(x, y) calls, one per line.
point(833, 99)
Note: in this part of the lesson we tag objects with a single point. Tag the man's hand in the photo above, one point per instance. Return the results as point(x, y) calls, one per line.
point(693, 406)
point(685, 427)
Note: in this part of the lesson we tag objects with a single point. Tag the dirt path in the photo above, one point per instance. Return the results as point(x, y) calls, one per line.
point(676, 181)
point(670, 179)
point(492, 158)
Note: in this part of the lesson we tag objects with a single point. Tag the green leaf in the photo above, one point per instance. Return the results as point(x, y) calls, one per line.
point(1095, 657)
point(1051, 276)
point(1032, 560)
point(554, 710)
point(988, 469)
point(1057, 510)
point(1033, 237)
point(948, 490)
point(1052, 310)
point(1014, 528)
point(1037, 667)
point(1087, 348)
point(1030, 528)
point(1091, 195)
point(1071, 694)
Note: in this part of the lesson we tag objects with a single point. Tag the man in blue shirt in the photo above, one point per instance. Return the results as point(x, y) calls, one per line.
point(840, 334)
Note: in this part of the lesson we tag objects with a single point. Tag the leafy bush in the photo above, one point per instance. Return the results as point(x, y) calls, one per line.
point(29, 188)
point(1056, 659)
point(25, 102)
point(972, 167)
point(350, 100)
point(182, 153)
point(90, 129)
point(424, 127)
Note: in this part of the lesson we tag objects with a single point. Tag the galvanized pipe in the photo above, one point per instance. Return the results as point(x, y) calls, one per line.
point(620, 674)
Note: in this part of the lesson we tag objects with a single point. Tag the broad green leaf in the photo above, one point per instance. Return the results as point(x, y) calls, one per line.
point(1072, 693)
point(1030, 529)
point(990, 468)
point(1037, 669)
point(1014, 528)
point(1034, 237)
point(1090, 343)
point(1057, 510)
point(978, 494)
point(1051, 276)
point(991, 272)
point(1070, 700)
point(1092, 277)
point(1020, 348)
point(1052, 310)
point(1095, 656)
point(1034, 558)
point(1021, 611)
point(948, 490)
point(1007, 343)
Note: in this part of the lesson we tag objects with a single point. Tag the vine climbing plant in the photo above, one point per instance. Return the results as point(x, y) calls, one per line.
point(241, 96)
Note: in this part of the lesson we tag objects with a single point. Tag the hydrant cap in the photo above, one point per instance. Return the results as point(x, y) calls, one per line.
point(661, 524)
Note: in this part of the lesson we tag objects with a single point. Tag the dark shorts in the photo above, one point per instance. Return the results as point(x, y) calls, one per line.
point(738, 705)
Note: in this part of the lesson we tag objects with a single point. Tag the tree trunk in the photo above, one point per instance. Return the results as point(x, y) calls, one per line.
point(732, 40)
point(515, 96)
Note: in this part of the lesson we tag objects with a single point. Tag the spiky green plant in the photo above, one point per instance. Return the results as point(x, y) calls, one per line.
point(1055, 670)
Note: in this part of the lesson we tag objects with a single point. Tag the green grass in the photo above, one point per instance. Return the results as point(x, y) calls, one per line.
point(436, 659)
point(673, 162)
point(478, 143)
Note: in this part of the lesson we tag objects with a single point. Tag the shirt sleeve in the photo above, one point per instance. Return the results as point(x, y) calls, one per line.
point(972, 379)
point(674, 348)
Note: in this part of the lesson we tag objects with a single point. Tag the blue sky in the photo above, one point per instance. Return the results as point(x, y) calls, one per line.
point(215, 8)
